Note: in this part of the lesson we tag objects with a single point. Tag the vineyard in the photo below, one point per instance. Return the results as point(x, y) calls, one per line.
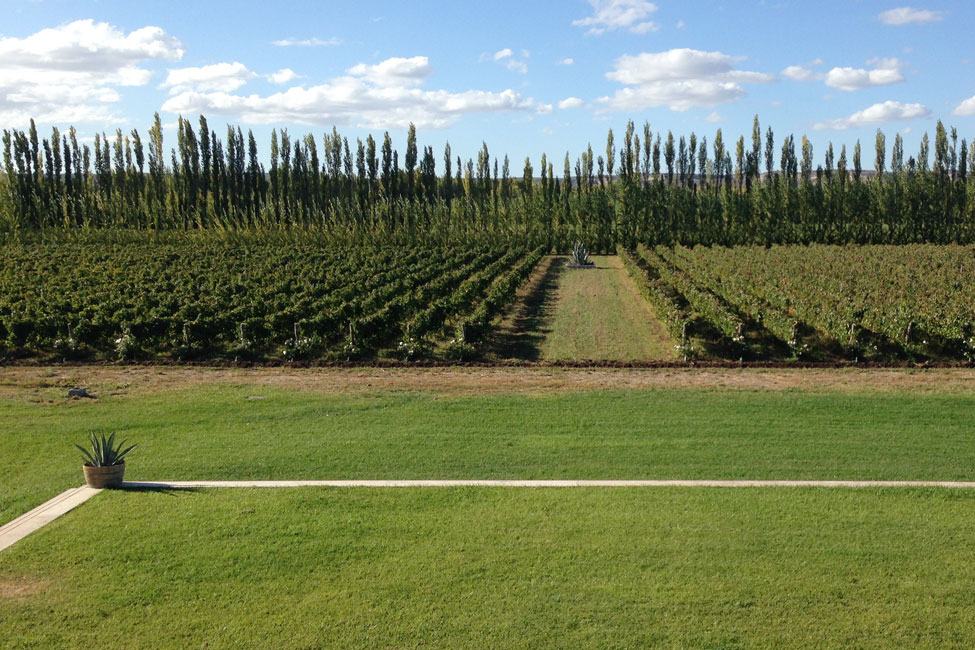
point(814, 302)
point(252, 298)
point(270, 297)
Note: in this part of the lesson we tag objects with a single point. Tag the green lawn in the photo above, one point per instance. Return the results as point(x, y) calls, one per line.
point(599, 314)
point(498, 568)
point(215, 432)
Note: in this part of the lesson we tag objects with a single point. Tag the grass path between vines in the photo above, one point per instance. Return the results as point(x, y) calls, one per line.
point(598, 314)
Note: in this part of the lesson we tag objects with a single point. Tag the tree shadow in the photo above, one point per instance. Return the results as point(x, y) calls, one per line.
point(530, 325)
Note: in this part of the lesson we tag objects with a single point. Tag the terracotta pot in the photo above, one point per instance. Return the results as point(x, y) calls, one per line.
point(103, 477)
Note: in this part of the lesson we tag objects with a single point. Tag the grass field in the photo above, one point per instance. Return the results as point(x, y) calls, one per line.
point(493, 567)
point(461, 424)
point(498, 568)
point(599, 314)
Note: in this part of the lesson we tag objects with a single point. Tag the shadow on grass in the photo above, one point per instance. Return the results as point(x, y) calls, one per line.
point(530, 325)
point(162, 488)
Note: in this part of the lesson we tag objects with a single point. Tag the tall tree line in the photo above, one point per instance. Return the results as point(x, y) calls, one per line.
point(647, 187)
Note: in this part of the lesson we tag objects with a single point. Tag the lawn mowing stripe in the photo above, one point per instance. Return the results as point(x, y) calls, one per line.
point(44, 514)
point(47, 512)
point(540, 483)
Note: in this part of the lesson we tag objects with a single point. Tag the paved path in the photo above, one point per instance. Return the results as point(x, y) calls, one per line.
point(70, 499)
point(44, 514)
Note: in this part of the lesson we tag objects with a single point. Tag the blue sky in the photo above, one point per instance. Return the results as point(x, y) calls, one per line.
point(525, 78)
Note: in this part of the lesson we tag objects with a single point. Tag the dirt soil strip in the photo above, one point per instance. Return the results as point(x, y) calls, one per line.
point(557, 483)
point(109, 381)
point(44, 514)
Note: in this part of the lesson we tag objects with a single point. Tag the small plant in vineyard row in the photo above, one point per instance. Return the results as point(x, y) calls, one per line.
point(299, 347)
point(127, 346)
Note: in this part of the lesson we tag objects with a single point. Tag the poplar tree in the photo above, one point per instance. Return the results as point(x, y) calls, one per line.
point(719, 155)
point(807, 159)
point(740, 162)
point(647, 149)
point(411, 154)
point(669, 157)
point(897, 155)
point(448, 189)
point(754, 170)
point(880, 158)
point(387, 169)
point(941, 163)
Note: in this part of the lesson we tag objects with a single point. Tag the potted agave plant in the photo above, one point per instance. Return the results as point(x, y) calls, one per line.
point(104, 463)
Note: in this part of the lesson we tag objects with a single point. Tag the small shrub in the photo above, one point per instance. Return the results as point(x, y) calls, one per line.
point(67, 347)
point(460, 350)
point(411, 349)
point(127, 346)
point(299, 348)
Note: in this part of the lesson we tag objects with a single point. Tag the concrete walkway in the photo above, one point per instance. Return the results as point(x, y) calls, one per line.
point(44, 514)
point(70, 499)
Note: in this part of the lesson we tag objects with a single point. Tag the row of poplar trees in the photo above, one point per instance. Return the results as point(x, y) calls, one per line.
point(652, 188)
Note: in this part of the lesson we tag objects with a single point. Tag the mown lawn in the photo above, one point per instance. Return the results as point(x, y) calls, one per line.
point(498, 568)
point(600, 314)
point(217, 432)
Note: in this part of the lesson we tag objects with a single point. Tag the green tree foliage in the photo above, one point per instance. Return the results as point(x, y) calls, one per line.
point(706, 193)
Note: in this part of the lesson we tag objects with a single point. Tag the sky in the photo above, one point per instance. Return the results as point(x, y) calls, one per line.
point(522, 77)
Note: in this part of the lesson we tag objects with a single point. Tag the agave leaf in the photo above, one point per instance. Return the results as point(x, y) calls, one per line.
point(90, 460)
point(121, 455)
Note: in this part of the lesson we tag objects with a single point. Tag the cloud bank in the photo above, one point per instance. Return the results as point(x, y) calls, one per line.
point(679, 79)
point(384, 95)
point(609, 15)
point(889, 111)
point(70, 73)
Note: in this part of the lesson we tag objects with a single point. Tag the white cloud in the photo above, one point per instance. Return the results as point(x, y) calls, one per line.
point(884, 73)
point(567, 61)
point(889, 111)
point(680, 79)
point(507, 57)
point(571, 102)
point(282, 76)
point(395, 72)
point(680, 24)
point(908, 15)
point(307, 42)
point(802, 73)
point(610, 15)
point(371, 96)
point(544, 109)
point(966, 108)
point(224, 77)
point(714, 117)
point(68, 73)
